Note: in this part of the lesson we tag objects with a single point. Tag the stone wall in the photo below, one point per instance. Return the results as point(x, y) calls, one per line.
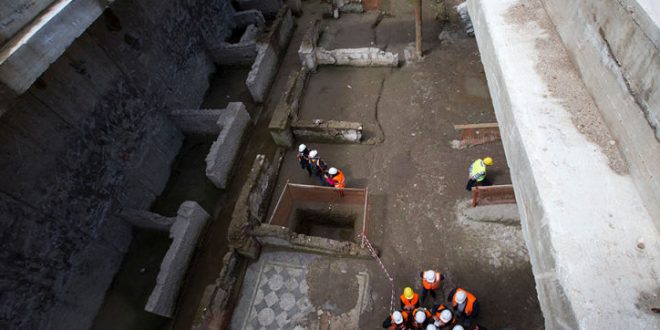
point(330, 131)
point(92, 136)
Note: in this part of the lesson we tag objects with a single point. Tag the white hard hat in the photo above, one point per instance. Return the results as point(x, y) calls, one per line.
point(445, 316)
point(332, 171)
point(431, 327)
point(420, 317)
point(302, 148)
point(458, 327)
point(460, 296)
point(398, 318)
point(313, 153)
point(429, 276)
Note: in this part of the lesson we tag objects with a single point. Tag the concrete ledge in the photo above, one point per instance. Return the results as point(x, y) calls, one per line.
point(582, 221)
point(616, 51)
point(287, 109)
point(283, 237)
point(201, 121)
point(244, 52)
point(29, 53)
point(327, 131)
point(185, 231)
point(220, 160)
point(269, 52)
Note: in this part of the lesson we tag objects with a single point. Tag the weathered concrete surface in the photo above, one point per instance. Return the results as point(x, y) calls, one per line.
point(16, 14)
point(146, 219)
point(197, 121)
point(220, 160)
point(190, 222)
point(269, 51)
point(287, 108)
point(243, 52)
point(570, 197)
point(615, 46)
point(28, 54)
point(331, 131)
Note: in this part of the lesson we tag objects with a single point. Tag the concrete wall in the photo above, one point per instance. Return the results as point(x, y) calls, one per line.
point(15, 14)
point(582, 221)
point(614, 45)
point(89, 138)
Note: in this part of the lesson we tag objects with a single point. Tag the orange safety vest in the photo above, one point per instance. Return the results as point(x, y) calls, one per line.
point(432, 286)
point(469, 304)
point(395, 326)
point(409, 304)
point(340, 180)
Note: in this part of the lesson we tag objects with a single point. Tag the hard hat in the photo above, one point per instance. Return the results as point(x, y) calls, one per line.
point(397, 317)
point(458, 327)
point(313, 153)
point(407, 292)
point(445, 316)
point(333, 171)
point(420, 317)
point(429, 276)
point(302, 148)
point(460, 296)
point(488, 161)
point(431, 327)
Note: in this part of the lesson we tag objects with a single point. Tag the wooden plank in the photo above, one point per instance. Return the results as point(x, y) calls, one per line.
point(483, 125)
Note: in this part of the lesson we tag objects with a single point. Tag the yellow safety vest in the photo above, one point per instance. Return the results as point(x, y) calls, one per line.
point(478, 170)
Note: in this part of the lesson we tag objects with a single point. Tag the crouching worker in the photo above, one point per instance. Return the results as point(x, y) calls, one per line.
point(397, 320)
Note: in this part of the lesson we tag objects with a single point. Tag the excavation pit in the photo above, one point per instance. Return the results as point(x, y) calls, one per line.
point(322, 212)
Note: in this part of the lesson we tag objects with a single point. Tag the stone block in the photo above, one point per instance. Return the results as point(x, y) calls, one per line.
point(327, 131)
point(190, 221)
point(357, 57)
point(146, 219)
point(220, 160)
point(202, 121)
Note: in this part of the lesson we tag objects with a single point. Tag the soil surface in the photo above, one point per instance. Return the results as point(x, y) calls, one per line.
point(416, 180)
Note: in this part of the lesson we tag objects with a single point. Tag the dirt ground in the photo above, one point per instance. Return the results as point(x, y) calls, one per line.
point(416, 179)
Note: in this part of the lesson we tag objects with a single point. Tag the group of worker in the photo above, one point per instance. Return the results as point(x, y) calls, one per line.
point(311, 161)
point(463, 308)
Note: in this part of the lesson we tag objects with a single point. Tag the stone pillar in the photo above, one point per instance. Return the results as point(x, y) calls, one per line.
point(220, 160)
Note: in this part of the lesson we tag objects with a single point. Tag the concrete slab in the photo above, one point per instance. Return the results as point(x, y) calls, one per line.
point(220, 160)
point(570, 198)
point(185, 231)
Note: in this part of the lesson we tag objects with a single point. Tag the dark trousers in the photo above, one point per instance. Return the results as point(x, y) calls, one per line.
point(305, 165)
point(424, 292)
point(471, 183)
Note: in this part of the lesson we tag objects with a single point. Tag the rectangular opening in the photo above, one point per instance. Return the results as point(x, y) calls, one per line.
point(334, 225)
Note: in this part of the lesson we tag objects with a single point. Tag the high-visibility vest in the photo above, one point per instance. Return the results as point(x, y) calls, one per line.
point(437, 314)
point(469, 302)
point(426, 311)
point(409, 303)
point(478, 170)
point(340, 180)
point(395, 326)
point(432, 286)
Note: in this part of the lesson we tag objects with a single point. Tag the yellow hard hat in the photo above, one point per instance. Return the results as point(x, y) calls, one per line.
point(488, 161)
point(408, 293)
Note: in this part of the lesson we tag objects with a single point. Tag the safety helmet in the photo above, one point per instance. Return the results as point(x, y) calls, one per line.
point(460, 296)
point(429, 276)
point(407, 292)
point(420, 317)
point(302, 148)
point(458, 327)
point(431, 327)
point(488, 161)
point(313, 153)
point(333, 171)
point(397, 317)
point(445, 316)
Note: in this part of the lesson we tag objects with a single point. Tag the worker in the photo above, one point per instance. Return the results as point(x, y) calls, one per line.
point(458, 327)
point(409, 300)
point(336, 178)
point(303, 158)
point(430, 282)
point(464, 303)
point(477, 176)
point(318, 165)
point(431, 327)
point(443, 317)
point(396, 320)
point(421, 317)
